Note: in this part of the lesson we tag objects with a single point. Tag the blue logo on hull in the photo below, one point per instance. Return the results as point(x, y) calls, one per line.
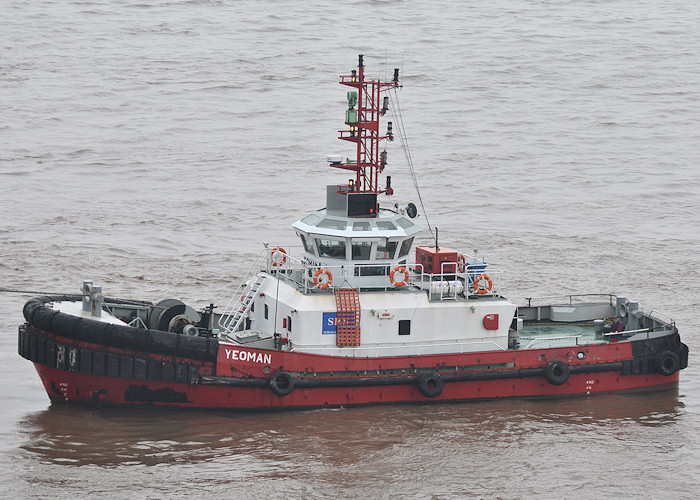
point(329, 324)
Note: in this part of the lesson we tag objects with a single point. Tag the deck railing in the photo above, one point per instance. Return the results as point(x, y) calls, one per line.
point(455, 279)
point(414, 349)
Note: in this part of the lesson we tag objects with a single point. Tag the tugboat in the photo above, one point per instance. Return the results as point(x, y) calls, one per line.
point(358, 317)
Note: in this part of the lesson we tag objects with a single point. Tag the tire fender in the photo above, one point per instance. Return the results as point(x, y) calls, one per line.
point(668, 363)
point(556, 372)
point(281, 383)
point(430, 384)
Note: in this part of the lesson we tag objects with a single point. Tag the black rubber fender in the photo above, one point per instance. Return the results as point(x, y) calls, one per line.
point(42, 318)
point(668, 363)
point(65, 325)
point(556, 372)
point(281, 383)
point(30, 308)
point(430, 384)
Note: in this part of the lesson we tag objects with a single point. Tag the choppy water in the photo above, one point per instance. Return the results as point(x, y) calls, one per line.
point(153, 145)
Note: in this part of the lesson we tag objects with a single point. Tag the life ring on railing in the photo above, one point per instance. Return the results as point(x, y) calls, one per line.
point(461, 263)
point(323, 278)
point(479, 287)
point(278, 256)
point(402, 270)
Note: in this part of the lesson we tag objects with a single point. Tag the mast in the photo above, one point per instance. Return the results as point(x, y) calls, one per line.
point(362, 116)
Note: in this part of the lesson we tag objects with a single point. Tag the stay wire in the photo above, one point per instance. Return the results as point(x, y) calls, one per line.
point(404, 145)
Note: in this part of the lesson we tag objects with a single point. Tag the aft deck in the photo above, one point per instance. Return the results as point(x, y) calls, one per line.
point(543, 335)
point(585, 320)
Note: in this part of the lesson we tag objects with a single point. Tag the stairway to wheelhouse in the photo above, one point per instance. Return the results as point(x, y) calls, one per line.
point(234, 314)
point(347, 302)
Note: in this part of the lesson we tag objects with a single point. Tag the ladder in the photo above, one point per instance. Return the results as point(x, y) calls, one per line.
point(234, 312)
point(233, 316)
point(347, 302)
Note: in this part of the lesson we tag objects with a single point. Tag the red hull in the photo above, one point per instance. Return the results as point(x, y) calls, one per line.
point(63, 386)
point(71, 386)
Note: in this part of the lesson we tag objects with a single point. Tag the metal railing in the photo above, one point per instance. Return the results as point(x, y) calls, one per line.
point(571, 299)
point(455, 278)
point(232, 315)
point(549, 339)
point(661, 318)
point(417, 349)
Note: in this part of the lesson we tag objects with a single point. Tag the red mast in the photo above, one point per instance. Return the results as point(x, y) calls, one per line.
point(363, 118)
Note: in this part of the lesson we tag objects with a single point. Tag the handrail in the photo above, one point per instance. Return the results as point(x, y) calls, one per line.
point(627, 333)
point(234, 304)
point(454, 281)
point(570, 298)
point(351, 274)
point(670, 321)
point(542, 339)
point(137, 322)
point(376, 349)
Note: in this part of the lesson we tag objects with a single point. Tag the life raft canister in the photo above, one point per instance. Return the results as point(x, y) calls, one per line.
point(278, 256)
point(399, 270)
point(483, 284)
point(323, 278)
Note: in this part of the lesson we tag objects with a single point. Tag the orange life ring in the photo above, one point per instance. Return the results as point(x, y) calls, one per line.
point(483, 290)
point(275, 256)
point(399, 269)
point(320, 282)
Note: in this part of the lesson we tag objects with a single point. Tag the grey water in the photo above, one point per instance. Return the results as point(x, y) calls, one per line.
point(153, 146)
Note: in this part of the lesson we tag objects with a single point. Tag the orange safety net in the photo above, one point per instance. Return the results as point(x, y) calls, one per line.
point(347, 302)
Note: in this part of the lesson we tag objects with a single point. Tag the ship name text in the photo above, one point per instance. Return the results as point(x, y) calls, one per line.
point(256, 357)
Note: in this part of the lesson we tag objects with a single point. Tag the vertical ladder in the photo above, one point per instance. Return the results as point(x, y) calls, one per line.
point(347, 302)
point(233, 316)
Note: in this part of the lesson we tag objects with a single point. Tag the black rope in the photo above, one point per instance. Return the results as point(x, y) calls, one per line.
point(30, 292)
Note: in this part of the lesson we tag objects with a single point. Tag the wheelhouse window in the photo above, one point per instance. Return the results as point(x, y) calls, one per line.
point(386, 225)
point(361, 226)
point(405, 247)
point(333, 224)
point(311, 219)
point(361, 250)
point(404, 222)
point(372, 271)
point(404, 327)
point(330, 248)
point(386, 249)
point(308, 244)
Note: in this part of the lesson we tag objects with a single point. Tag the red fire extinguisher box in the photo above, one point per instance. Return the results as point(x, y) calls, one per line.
point(433, 260)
